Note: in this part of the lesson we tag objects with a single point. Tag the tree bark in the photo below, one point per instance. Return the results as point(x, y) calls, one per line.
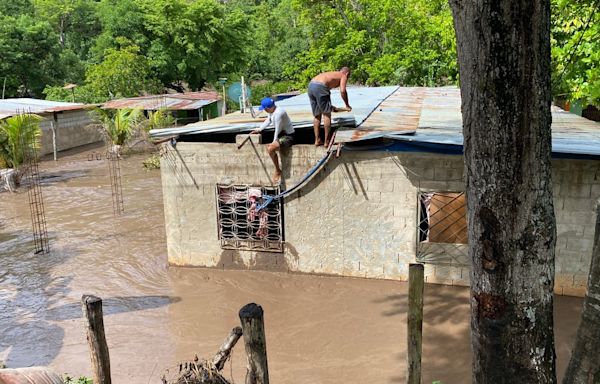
point(253, 328)
point(92, 311)
point(503, 51)
point(584, 366)
point(225, 350)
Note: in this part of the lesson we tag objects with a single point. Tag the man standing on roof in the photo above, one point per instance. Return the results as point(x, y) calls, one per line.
point(284, 131)
point(319, 93)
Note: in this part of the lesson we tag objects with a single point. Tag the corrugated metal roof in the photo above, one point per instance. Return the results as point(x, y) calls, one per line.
point(175, 101)
point(424, 116)
point(441, 124)
point(363, 101)
point(11, 107)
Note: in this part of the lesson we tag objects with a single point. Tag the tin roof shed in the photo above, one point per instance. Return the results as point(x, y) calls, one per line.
point(12, 107)
point(173, 102)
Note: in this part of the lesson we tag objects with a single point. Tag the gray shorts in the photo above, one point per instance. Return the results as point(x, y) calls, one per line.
point(285, 140)
point(320, 98)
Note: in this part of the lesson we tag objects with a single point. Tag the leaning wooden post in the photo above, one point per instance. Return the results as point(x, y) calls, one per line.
point(92, 310)
point(253, 328)
point(415, 323)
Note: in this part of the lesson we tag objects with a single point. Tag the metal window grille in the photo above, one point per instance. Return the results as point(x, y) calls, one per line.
point(241, 226)
point(442, 228)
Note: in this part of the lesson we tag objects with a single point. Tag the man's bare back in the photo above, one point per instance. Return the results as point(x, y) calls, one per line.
point(330, 79)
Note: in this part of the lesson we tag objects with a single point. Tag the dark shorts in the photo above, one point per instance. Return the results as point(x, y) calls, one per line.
point(285, 140)
point(320, 98)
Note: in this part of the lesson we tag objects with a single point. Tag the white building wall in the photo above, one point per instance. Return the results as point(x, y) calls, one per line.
point(358, 217)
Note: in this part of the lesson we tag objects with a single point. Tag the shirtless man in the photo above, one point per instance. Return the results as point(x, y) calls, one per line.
point(319, 93)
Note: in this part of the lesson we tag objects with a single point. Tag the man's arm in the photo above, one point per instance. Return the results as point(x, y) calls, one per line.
point(264, 125)
point(343, 92)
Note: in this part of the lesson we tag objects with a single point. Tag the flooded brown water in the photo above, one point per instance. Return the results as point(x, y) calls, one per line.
point(318, 329)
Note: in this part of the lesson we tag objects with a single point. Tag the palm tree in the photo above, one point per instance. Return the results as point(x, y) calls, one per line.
point(19, 136)
point(160, 118)
point(120, 125)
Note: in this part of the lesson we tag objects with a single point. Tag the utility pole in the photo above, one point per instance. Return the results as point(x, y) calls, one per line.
point(222, 80)
point(3, 87)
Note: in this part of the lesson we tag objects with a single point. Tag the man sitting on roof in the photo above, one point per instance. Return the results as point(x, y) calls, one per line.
point(284, 131)
point(319, 93)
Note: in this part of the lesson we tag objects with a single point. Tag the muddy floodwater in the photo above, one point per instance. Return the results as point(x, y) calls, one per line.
point(318, 329)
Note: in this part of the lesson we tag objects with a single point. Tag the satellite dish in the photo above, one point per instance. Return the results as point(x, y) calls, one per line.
point(234, 92)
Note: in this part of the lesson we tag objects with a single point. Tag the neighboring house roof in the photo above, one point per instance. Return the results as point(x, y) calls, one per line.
point(423, 118)
point(175, 101)
point(11, 107)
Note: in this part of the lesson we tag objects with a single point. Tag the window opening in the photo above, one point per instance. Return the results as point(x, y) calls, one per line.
point(442, 228)
point(241, 225)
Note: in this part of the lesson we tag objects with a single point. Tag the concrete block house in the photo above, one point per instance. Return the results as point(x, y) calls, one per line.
point(65, 125)
point(390, 192)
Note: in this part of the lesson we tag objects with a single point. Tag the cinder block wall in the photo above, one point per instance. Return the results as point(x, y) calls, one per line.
point(576, 192)
point(358, 217)
point(73, 130)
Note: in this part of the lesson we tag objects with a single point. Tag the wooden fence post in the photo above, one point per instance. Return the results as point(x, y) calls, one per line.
point(415, 323)
point(92, 310)
point(253, 328)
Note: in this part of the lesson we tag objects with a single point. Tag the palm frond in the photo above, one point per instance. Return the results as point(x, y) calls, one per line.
point(18, 135)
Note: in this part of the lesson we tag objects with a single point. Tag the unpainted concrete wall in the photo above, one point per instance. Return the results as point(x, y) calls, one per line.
point(358, 217)
point(73, 129)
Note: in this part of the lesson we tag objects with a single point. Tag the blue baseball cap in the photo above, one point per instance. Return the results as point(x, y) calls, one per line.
point(265, 103)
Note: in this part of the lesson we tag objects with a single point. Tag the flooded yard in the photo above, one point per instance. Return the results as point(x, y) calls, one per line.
point(318, 329)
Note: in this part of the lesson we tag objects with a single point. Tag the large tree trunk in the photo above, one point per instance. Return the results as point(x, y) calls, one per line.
point(504, 61)
point(584, 367)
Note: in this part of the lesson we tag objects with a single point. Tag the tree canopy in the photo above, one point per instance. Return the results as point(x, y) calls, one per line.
point(189, 44)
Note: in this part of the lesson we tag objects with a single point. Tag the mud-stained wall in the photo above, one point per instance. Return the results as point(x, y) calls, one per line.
point(73, 129)
point(358, 217)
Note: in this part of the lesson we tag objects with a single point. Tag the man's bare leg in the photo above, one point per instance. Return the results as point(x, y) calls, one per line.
point(317, 127)
point(272, 149)
point(327, 125)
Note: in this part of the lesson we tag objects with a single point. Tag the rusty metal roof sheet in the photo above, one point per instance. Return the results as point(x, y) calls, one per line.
point(11, 107)
point(363, 101)
point(175, 101)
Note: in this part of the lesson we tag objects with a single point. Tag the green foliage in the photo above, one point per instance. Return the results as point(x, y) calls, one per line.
point(120, 125)
point(383, 42)
point(576, 50)
point(159, 119)
point(81, 380)
point(18, 133)
point(122, 73)
point(153, 162)
point(120, 48)
point(28, 54)
point(270, 89)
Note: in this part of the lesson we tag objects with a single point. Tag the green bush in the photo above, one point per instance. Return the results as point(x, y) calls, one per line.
point(81, 380)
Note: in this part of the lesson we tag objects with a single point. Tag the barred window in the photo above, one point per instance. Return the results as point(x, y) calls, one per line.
point(242, 224)
point(443, 217)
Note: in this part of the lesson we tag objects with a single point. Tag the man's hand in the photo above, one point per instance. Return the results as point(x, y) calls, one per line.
point(337, 109)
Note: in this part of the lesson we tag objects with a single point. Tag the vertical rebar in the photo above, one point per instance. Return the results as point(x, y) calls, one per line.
point(34, 192)
point(114, 170)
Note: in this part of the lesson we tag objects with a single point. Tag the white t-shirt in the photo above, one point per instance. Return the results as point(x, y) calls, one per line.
point(280, 120)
